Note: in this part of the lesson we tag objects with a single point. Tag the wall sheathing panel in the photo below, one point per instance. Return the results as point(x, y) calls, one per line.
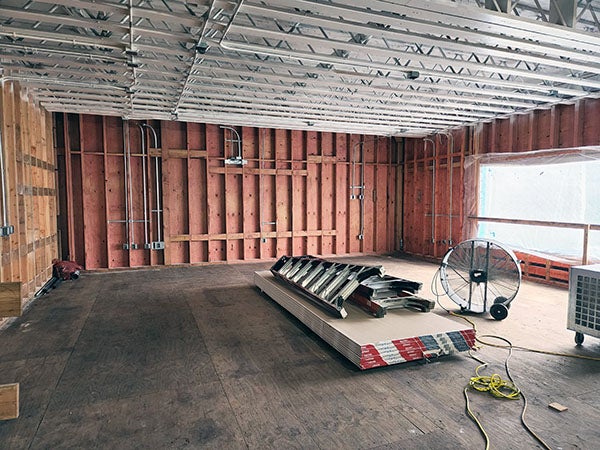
point(291, 197)
point(561, 126)
point(29, 171)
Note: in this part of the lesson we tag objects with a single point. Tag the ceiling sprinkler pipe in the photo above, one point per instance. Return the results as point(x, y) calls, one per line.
point(432, 188)
point(236, 11)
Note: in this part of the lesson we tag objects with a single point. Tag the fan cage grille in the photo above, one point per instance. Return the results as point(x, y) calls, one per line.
point(477, 272)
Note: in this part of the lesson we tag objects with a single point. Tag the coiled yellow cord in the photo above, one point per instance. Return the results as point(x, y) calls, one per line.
point(495, 385)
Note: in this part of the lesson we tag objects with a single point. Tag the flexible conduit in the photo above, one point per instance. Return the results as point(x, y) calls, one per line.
point(432, 189)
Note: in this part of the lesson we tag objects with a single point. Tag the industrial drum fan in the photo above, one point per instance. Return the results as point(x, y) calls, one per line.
point(481, 276)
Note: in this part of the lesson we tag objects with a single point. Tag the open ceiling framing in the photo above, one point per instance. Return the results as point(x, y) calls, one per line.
point(400, 68)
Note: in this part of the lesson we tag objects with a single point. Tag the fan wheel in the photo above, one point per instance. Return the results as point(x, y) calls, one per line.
point(499, 311)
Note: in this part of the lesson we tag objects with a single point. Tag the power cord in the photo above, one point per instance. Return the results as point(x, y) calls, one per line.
point(438, 295)
point(493, 384)
point(510, 347)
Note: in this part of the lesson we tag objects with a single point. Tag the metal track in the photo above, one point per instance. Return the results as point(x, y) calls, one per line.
point(326, 283)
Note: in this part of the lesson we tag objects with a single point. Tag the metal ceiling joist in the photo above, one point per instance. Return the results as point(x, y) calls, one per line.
point(382, 67)
point(371, 77)
point(345, 87)
point(392, 109)
point(411, 58)
point(312, 113)
point(435, 35)
point(349, 96)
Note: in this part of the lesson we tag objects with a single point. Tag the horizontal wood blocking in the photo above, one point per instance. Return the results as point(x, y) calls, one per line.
point(10, 299)
point(265, 235)
point(193, 195)
point(183, 153)
point(9, 401)
point(30, 177)
point(433, 176)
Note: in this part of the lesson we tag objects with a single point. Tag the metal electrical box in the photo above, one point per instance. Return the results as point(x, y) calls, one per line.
point(584, 301)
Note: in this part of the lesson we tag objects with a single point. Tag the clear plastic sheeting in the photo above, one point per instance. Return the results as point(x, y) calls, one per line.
point(544, 202)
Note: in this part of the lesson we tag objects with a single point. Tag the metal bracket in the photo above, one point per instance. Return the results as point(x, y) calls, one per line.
point(236, 161)
point(158, 245)
point(7, 230)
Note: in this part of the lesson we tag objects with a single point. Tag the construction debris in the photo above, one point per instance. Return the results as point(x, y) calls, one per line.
point(326, 283)
point(378, 294)
point(329, 284)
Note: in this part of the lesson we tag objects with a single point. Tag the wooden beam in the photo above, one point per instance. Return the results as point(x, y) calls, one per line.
point(10, 299)
point(9, 401)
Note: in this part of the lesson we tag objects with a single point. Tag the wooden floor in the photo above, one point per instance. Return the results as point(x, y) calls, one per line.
point(195, 357)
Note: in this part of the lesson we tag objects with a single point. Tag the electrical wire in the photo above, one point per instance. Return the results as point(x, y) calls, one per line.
point(494, 384)
point(475, 419)
point(525, 404)
point(438, 295)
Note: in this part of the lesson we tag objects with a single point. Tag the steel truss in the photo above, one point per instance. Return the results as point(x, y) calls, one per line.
point(379, 67)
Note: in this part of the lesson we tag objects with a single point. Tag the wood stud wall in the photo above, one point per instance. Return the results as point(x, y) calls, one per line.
point(561, 126)
point(291, 198)
point(27, 254)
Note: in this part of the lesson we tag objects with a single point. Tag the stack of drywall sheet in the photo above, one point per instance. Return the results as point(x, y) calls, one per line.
point(368, 342)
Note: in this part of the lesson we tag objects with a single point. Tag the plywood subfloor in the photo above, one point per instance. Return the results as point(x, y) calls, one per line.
point(195, 357)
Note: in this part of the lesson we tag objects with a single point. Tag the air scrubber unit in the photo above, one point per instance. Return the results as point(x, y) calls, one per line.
point(584, 301)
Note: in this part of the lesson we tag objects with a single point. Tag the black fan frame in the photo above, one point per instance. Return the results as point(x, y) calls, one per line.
point(498, 302)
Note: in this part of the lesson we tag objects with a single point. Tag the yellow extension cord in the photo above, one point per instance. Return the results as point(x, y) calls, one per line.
point(494, 384)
